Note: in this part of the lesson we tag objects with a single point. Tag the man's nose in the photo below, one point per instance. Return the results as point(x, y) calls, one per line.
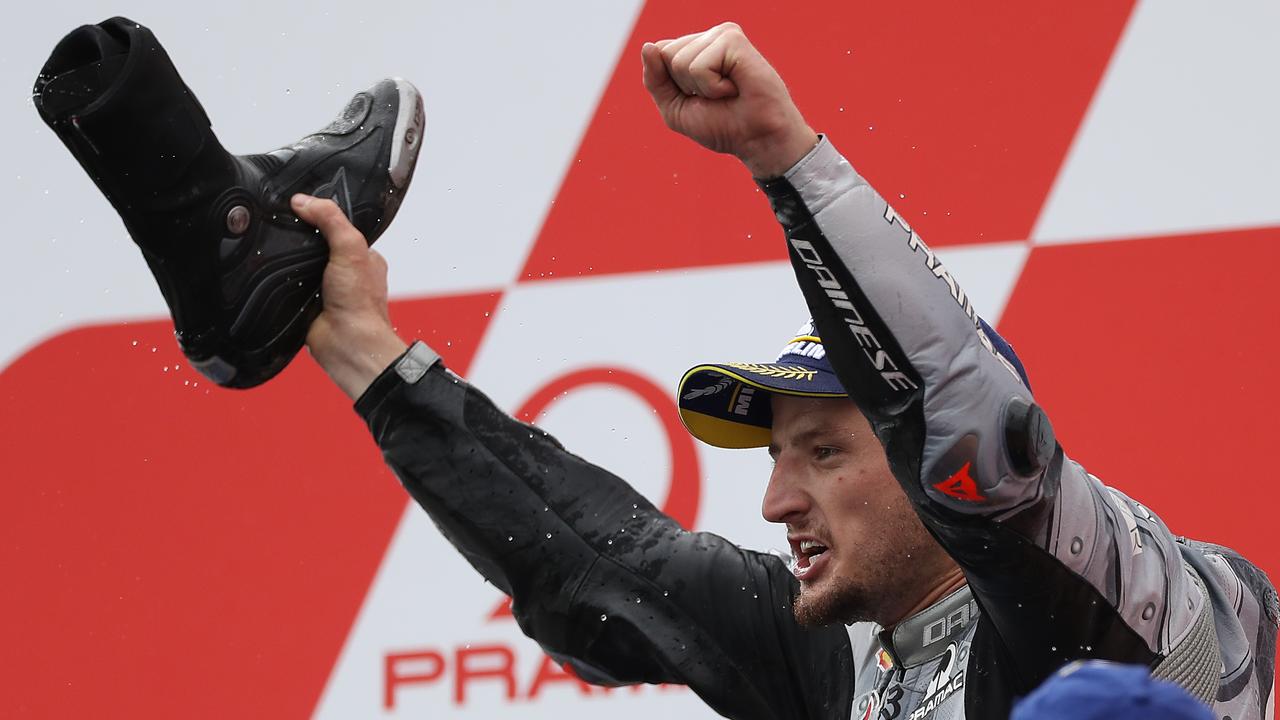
point(784, 501)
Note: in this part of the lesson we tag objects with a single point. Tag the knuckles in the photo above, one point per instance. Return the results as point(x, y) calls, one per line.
point(731, 32)
point(678, 57)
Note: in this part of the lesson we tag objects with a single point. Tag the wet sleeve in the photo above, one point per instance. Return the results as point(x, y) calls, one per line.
point(1063, 566)
point(597, 574)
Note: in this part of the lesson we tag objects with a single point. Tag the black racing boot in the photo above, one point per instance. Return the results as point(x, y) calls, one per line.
point(240, 272)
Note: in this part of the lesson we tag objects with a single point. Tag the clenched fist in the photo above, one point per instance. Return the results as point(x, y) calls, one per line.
point(718, 90)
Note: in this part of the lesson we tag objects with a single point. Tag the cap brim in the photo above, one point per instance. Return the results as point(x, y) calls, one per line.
point(724, 404)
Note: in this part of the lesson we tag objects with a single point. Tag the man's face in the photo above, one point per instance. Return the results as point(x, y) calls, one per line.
point(862, 554)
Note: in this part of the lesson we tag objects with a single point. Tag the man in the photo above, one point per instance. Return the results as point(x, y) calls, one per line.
point(936, 505)
point(949, 556)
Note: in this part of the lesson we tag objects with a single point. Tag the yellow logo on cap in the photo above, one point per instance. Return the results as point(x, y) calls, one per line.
point(786, 372)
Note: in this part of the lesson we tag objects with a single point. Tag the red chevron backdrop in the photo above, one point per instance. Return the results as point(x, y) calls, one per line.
point(1101, 175)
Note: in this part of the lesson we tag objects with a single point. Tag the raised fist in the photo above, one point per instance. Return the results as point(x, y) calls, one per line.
point(717, 89)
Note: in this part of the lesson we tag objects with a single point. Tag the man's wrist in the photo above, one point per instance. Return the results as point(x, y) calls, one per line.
point(774, 157)
point(355, 358)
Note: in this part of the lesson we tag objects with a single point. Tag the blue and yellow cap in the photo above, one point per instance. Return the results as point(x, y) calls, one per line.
point(728, 405)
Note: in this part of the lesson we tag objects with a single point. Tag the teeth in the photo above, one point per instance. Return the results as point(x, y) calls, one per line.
point(807, 545)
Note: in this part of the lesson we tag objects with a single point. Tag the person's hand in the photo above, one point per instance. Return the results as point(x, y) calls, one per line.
point(352, 338)
point(718, 90)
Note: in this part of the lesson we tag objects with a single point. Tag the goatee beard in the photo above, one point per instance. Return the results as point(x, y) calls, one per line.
point(843, 602)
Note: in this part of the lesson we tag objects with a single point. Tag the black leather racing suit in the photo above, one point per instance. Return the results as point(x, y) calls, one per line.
point(1059, 566)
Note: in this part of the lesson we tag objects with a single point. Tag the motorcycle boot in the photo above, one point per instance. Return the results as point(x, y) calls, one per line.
point(239, 271)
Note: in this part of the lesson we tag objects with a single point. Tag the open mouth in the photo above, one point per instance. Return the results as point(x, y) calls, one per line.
point(810, 558)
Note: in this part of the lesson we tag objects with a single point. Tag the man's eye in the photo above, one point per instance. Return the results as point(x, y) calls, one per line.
point(825, 451)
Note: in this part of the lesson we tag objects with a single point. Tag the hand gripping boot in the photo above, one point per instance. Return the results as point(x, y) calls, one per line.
point(240, 273)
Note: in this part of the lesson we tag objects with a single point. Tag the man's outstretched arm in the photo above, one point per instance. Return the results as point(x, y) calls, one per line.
point(597, 574)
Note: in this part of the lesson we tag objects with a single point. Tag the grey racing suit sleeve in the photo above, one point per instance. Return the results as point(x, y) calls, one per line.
point(598, 575)
point(1062, 566)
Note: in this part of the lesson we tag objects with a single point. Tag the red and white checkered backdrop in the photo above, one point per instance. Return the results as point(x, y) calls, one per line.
point(1104, 177)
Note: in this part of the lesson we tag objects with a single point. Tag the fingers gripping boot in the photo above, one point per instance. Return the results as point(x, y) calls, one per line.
point(240, 272)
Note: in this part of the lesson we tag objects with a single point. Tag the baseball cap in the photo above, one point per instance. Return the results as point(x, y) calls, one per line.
point(728, 405)
point(1096, 689)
